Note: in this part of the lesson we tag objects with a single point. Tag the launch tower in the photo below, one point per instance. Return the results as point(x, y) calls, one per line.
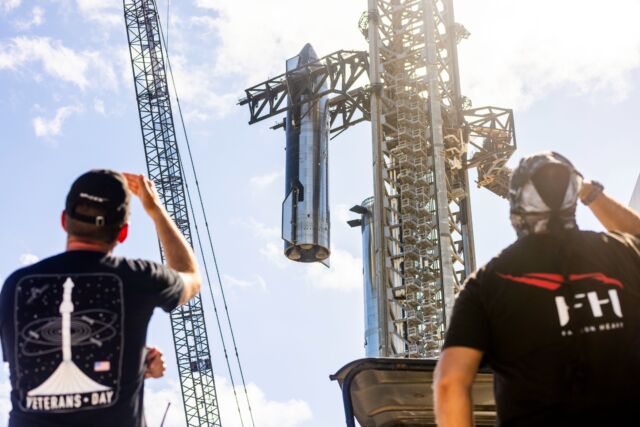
point(423, 244)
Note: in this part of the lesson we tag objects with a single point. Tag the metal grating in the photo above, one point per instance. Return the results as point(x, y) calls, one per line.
point(422, 200)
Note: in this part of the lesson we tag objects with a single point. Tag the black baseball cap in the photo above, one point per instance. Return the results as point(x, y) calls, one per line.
point(104, 192)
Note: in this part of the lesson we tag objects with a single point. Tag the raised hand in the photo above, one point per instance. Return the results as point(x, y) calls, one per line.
point(154, 362)
point(145, 190)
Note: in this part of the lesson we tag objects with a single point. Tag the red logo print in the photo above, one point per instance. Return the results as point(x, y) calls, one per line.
point(552, 281)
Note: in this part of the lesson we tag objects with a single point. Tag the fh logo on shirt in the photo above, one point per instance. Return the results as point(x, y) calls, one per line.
point(595, 305)
point(603, 312)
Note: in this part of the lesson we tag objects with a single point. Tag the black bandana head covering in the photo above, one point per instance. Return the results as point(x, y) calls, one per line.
point(543, 192)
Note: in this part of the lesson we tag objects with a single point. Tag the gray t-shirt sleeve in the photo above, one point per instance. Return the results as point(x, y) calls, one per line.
point(163, 284)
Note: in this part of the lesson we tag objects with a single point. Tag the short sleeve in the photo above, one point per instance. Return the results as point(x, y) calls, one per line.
point(5, 310)
point(629, 248)
point(634, 243)
point(164, 284)
point(469, 323)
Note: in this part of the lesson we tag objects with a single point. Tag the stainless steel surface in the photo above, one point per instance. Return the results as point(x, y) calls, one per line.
point(635, 197)
point(380, 200)
point(398, 392)
point(305, 210)
point(372, 331)
point(447, 276)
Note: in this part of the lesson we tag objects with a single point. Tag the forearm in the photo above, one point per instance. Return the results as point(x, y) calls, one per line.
point(615, 216)
point(453, 406)
point(177, 251)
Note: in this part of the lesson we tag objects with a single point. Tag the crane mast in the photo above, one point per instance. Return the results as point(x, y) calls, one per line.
point(165, 169)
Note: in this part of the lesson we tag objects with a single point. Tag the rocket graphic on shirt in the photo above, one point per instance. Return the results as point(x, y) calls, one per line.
point(81, 341)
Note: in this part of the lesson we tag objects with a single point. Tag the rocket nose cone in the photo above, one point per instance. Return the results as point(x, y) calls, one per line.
point(307, 54)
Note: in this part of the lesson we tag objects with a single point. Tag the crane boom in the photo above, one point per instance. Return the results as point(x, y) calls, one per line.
point(165, 169)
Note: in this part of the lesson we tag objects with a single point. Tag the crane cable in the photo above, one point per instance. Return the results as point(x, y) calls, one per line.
point(200, 245)
point(210, 241)
point(215, 307)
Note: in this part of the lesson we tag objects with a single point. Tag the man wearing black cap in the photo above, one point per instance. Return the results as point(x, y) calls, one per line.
point(556, 315)
point(74, 326)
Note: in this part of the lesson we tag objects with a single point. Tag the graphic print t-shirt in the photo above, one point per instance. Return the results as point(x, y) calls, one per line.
point(73, 331)
point(558, 320)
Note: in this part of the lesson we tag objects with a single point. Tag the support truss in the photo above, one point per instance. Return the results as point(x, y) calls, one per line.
point(164, 167)
point(342, 70)
point(492, 140)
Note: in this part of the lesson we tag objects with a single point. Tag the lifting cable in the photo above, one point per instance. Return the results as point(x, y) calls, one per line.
point(210, 241)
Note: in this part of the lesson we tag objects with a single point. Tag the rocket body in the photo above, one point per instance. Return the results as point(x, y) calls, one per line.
point(305, 210)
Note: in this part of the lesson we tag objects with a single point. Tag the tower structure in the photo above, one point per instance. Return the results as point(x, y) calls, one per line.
point(423, 234)
point(165, 169)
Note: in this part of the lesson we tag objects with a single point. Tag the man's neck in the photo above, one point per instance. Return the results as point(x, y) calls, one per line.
point(74, 244)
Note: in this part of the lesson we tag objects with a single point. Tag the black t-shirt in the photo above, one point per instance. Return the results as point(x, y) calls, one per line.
point(558, 319)
point(73, 330)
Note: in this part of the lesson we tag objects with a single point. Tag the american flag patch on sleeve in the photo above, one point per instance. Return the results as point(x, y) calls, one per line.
point(102, 366)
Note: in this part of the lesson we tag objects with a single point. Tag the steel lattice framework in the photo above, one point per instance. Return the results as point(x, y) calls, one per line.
point(341, 70)
point(423, 147)
point(164, 167)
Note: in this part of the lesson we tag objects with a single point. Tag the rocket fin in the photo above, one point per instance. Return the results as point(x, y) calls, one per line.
point(326, 262)
point(288, 231)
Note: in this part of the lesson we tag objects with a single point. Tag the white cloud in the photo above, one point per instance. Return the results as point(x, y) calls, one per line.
point(58, 61)
point(520, 51)
point(261, 182)
point(259, 229)
point(5, 401)
point(263, 231)
point(198, 86)
point(257, 282)
point(345, 273)
point(275, 255)
point(106, 12)
point(343, 214)
point(98, 106)
point(255, 45)
point(37, 19)
point(249, 48)
point(8, 6)
point(46, 128)
point(28, 259)
point(271, 413)
point(507, 60)
point(290, 413)
point(204, 21)
point(206, 4)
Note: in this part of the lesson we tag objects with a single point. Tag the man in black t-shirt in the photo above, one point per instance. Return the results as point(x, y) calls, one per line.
point(556, 315)
point(73, 326)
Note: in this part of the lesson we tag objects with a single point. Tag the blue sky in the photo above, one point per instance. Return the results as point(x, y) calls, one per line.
point(571, 71)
